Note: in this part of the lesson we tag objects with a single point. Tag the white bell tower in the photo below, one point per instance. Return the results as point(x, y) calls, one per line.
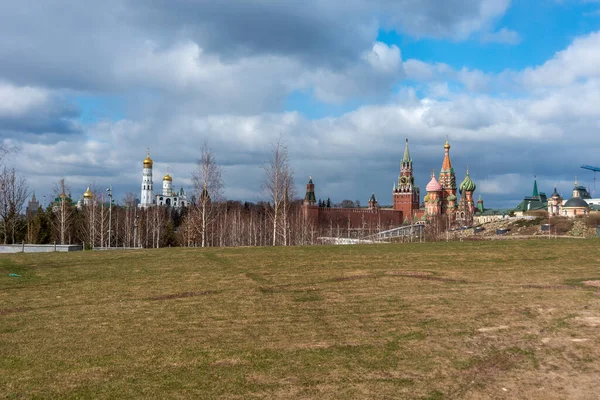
point(167, 188)
point(147, 186)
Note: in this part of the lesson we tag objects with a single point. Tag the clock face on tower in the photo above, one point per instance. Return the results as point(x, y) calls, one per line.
point(404, 180)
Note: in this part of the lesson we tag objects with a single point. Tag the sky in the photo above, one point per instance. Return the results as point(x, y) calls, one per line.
point(87, 87)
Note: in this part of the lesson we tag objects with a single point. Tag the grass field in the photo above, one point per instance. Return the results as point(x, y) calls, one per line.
point(508, 319)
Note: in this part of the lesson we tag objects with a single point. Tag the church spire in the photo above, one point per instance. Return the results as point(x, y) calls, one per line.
point(447, 164)
point(406, 158)
point(535, 188)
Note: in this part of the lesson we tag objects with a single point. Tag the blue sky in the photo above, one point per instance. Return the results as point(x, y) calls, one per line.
point(511, 83)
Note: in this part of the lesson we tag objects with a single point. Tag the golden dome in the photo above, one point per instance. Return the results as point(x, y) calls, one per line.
point(447, 145)
point(148, 160)
point(168, 178)
point(88, 194)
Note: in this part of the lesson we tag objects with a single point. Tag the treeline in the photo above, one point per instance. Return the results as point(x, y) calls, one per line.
point(99, 224)
point(210, 221)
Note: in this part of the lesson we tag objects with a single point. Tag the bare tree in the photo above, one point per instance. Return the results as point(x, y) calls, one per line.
point(13, 193)
point(278, 188)
point(208, 185)
point(63, 211)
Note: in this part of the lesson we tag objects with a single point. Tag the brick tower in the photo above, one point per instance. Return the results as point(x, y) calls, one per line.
point(310, 209)
point(406, 195)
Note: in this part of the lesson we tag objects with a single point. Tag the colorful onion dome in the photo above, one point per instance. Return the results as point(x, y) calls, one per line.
point(88, 194)
point(467, 184)
point(433, 185)
point(168, 178)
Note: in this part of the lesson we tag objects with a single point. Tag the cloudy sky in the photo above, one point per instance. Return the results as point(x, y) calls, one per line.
point(86, 87)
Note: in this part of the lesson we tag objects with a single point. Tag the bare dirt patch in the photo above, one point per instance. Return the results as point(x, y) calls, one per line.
point(595, 283)
point(428, 276)
point(229, 362)
point(552, 287)
point(493, 328)
point(353, 277)
point(6, 311)
point(183, 295)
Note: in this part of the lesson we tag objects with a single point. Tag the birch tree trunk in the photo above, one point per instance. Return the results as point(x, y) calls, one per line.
point(278, 187)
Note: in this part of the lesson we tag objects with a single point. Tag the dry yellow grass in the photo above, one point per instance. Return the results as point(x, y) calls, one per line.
point(442, 320)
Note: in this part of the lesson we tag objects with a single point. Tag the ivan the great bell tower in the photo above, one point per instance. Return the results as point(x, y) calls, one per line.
point(406, 195)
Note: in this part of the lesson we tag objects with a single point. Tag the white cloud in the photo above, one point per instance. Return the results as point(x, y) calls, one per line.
point(578, 61)
point(19, 100)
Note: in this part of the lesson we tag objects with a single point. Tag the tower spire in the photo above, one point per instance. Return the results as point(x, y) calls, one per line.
point(535, 188)
point(309, 197)
point(447, 164)
point(406, 157)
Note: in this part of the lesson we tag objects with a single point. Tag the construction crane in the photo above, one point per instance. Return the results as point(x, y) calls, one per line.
point(595, 169)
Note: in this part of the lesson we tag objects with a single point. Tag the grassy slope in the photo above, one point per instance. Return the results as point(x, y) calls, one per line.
point(446, 320)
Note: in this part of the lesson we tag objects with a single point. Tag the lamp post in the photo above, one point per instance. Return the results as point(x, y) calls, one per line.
point(135, 228)
point(109, 190)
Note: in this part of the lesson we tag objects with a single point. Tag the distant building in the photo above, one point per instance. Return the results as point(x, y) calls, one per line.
point(555, 203)
point(406, 195)
point(536, 202)
point(405, 209)
point(367, 220)
point(576, 205)
point(441, 194)
point(167, 197)
point(86, 200)
point(32, 207)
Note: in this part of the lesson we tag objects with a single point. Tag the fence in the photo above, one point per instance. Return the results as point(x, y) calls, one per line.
point(39, 248)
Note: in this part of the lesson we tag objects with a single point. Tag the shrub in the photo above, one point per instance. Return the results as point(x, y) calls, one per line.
point(561, 225)
point(537, 213)
point(593, 220)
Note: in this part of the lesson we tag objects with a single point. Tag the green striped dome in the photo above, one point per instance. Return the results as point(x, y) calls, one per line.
point(467, 184)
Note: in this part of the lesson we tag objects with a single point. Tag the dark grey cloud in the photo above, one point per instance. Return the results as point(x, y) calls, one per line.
point(79, 45)
point(220, 71)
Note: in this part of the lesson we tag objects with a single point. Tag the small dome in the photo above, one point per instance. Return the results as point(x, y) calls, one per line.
point(433, 185)
point(576, 202)
point(447, 145)
point(451, 198)
point(168, 178)
point(148, 161)
point(426, 198)
point(88, 194)
point(467, 184)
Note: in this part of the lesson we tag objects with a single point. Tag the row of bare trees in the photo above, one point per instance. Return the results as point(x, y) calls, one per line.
point(215, 222)
point(13, 194)
point(210, 221)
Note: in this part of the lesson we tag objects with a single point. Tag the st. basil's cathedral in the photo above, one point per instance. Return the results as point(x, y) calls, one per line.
point(441, 199)
point(441, 194)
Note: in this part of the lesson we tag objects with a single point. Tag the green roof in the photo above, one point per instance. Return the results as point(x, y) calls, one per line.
point(531, 205)
point(535, 189)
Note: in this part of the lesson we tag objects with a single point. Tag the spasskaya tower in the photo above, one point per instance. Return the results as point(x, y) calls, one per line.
point(406, 195)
